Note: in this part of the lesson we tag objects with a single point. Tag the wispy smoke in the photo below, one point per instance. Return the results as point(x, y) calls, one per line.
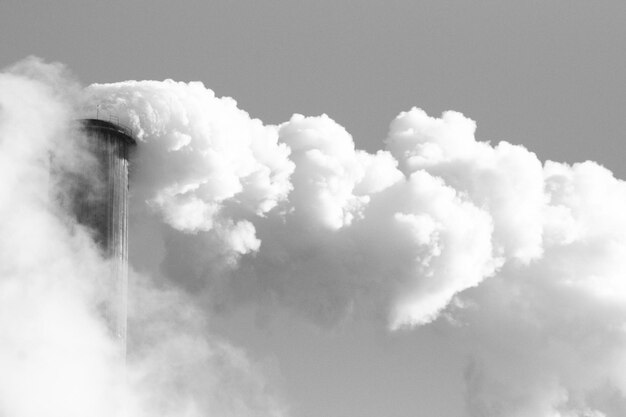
point(58, 356)
point(521, 262)
point(53, 347)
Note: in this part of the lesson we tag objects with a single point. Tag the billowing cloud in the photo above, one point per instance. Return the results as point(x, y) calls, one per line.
point(327, 227)
point(548, 338)
point(523, 259)
point(58, 356)
point(520, 262)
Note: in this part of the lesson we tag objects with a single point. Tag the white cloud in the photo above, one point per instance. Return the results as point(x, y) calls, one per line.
point(524, 260)
point(57, 354)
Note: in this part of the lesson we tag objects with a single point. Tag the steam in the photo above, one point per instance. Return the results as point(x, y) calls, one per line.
point(437, 226)
point(58, 356)
point(520, 262)
point(51, 341)
point(320, 220)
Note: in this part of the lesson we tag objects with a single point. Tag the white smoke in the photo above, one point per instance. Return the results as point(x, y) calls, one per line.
point(549, 337)
point(336, 222)
point(521, 262)
point(410, 232)
point(52, 345)
point(57, 354)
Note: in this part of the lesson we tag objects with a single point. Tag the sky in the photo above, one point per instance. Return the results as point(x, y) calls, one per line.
point(504, 293)
point(543, 74)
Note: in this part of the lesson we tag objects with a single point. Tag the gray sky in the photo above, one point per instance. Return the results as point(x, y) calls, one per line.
point(545, 74)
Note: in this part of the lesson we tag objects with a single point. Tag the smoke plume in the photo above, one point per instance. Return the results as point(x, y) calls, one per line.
point(58, 356)
point(520, 261)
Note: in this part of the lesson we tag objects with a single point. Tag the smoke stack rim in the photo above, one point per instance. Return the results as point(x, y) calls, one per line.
point(122, 132)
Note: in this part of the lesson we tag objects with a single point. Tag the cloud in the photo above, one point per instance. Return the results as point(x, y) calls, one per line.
point(520, 262)
point(521, 259)
point(548, 338)
point(298, 211)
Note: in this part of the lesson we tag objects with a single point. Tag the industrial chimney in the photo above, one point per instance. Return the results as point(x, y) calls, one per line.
point(105, 209)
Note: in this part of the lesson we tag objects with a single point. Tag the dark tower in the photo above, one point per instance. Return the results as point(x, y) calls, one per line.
point(106, 210)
